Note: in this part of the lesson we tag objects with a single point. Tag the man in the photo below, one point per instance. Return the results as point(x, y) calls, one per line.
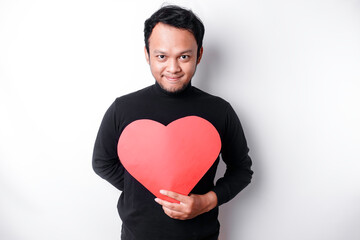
point(173, 49)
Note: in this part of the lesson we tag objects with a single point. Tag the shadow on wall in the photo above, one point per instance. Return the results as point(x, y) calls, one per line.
point(211, 67)
point(207, 69)
point(233, 215)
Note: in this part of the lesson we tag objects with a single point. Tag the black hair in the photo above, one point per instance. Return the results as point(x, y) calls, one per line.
point(177, 17)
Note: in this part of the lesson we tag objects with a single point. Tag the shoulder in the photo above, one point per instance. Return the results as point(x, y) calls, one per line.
point(219, 106)
point(211, 99)
point(133, 99)
point(134, 96)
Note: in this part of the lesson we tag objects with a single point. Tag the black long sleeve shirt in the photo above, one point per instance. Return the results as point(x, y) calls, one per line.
point(142, 217)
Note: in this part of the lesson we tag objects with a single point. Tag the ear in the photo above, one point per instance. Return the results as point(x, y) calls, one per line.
point(200, 55)
point(146, 55)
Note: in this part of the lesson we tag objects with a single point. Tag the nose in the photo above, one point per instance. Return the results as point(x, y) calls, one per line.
point(173, 66)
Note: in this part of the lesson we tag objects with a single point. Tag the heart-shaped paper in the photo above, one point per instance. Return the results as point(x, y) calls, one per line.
point(173, 157)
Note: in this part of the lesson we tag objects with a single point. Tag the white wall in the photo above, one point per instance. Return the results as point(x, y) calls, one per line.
point(291, 70)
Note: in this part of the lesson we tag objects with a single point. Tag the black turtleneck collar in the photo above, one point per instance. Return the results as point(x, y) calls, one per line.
point(182, 93)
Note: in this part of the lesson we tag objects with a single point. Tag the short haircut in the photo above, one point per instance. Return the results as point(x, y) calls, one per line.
point(177, 17)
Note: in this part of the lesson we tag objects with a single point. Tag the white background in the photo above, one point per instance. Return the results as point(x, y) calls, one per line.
point(291, 70)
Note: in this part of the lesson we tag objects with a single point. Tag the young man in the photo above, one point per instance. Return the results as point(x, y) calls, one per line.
point(173, 49)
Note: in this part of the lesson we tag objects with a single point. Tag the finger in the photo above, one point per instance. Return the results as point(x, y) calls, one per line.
point(172, 206)
point(179, 197)
point(174, 214)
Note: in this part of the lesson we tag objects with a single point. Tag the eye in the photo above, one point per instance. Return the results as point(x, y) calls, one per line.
point(184, 57)
point(161, 57)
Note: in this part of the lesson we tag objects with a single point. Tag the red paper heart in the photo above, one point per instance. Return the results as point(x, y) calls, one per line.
point(173, 157)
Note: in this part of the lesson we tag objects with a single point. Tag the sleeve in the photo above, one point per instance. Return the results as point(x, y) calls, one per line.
point(105, 161)
point(234, 153)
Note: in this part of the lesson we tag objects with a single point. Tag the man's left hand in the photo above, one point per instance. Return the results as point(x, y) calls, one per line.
point(189, 206)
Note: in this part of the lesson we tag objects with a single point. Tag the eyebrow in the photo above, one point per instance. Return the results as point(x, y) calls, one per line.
point(181, 53)
point(187, 51)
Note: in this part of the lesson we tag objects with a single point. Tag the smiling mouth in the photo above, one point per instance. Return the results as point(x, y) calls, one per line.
point(173, 78)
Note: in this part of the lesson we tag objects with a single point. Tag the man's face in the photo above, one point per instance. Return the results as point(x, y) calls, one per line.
point(172, 56)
